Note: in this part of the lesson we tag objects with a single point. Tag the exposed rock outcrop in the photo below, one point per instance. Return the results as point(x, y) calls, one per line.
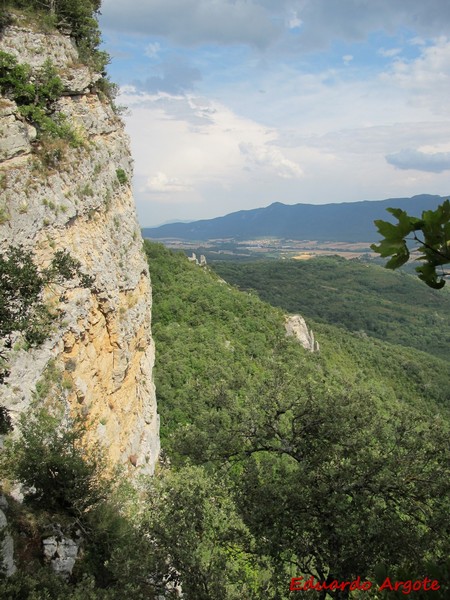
point(61, 552)
point(296, 326)
point(6, 542)
point(79, 199)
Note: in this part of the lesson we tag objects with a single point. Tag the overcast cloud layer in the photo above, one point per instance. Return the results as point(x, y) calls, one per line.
point(239, 103)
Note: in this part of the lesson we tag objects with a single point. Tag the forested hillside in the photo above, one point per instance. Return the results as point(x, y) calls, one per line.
point(333, 464)
point(370, 300)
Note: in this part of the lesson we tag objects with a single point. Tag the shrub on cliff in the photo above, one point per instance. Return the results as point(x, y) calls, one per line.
point(80, 16)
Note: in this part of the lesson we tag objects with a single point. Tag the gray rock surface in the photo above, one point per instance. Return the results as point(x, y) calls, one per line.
point(296, 327)
point(61, 552)
point(6, 544)
point(59, 197)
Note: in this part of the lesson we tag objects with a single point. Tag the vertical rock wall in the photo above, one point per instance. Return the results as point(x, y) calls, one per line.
point(79, 199)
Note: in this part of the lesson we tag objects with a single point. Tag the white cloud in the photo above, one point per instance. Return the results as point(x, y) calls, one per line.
point(162, 183)
point(316, 134)
point(381, 139)
point(293, 21)
point(426, 79)
point(259, 22)
point(152, 50)
point(198, 139)
point(390, 52)
point(270, 158)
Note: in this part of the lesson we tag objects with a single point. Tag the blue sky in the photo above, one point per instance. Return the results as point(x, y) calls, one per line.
point(235, 104)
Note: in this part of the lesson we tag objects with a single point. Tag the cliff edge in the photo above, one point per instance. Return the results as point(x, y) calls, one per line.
point(56, 195)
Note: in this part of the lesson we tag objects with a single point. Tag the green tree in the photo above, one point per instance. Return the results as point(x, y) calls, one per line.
point(199, 539)
point(338, 483)
point(433, 243)
point(59, 471)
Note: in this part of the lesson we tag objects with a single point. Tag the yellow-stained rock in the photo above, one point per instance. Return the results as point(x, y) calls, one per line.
point(103, 345)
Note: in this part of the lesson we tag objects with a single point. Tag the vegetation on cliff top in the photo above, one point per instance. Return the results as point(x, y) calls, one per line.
point(79, 17)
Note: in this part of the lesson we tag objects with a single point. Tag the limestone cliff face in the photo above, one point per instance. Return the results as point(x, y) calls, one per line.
point(102, 350)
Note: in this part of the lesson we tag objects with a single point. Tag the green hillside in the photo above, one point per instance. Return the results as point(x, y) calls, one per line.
point(332, 464)
point(371, 300)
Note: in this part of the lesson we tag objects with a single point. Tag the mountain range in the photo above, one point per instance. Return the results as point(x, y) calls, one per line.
point(345, 222)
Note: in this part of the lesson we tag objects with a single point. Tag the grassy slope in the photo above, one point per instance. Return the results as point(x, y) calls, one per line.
point(390, 306)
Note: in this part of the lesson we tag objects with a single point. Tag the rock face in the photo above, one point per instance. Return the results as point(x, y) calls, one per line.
point(6, 542)
point(296, 326)
point(61, 552)
point(79, 199)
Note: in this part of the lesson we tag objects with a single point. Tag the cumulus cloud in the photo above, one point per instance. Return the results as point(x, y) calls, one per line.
point(376, 139)
point(267, 157)
point(347, 58)
point(426, 78)
point(353, 20)
point(409, 159)
point(161, 183)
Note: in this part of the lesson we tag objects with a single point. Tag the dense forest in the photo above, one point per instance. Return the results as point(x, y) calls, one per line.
point(325, 458)
point(365, 299)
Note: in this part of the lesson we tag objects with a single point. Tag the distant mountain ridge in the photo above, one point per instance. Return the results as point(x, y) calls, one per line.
point(345, 222)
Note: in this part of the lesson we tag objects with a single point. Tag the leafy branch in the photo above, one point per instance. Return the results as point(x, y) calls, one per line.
point(434, 248)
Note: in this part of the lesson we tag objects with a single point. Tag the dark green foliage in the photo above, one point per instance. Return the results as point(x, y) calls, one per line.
point(121, 176)
point(345, 478)
point(15, 79)
point(35, 94)
point(68, 482)
point(80, 18)
point(213, 553)
point(5, 18)
point(216, 337)
point(21, 288)
point(5, 421)
point(44, 584)
point(22, 309)
point(59, 471)
point(64, 267)
point(365, 299)
point(17, 83)
point(284, 463)
point(434, 245)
